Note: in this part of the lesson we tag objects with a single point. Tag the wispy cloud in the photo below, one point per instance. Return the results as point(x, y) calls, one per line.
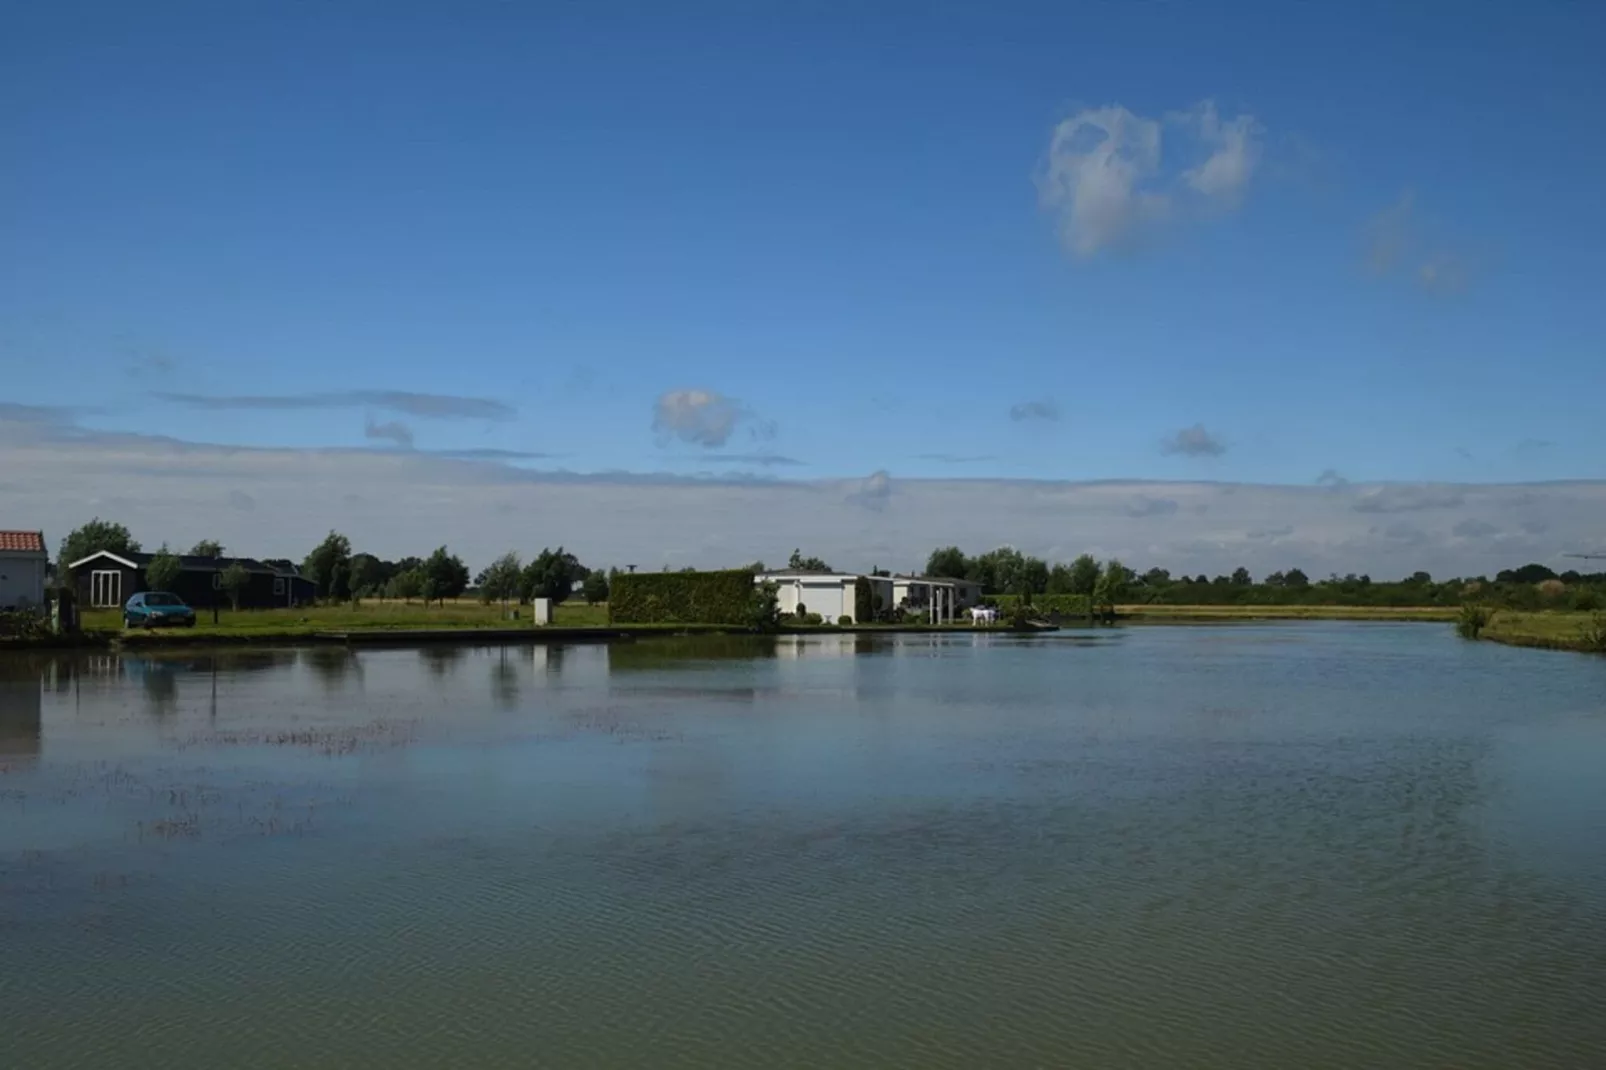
point(1472, 528)
point(1401, 532)
point(1397, 242)
point(761, 460)
point(393, 431)
point(1331, 478)
point(412, 501)
point(955, 458)
point(1144, 505)
point(486, 453)
point(1035, 410)
point(146, 364)
point(1194, 441)
point(426, 406)
point(38, 414)
point(1105, 179)
point(1408, 498)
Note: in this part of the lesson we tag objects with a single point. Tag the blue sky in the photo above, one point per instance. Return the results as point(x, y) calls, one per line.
point(1251, 244)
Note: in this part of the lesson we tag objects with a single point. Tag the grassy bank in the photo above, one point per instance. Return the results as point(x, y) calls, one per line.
point(1550, 630)
point(1162, 614)
point(371, 615)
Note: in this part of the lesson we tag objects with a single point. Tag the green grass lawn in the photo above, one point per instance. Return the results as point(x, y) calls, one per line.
point(1554, 629)
point(370, 614)
point(1203, 613)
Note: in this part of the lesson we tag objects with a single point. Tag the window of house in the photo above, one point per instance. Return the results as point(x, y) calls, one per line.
point(217, 581)
point(278, 585)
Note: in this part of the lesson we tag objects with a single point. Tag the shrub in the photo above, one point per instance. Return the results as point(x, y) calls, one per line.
point(764, 608)
point(1066, 605)
point(728, 597)
point(863, 599)
point(1595, 634)
point(1587, 600)
point(844, 621)
point(1552, 590)
point(1472, 621)
point(23, 624)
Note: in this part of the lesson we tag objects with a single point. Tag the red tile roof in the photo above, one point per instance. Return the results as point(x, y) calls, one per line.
point(24, 541)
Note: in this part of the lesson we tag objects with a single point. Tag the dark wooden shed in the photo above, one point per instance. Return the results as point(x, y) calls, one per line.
point(108, 580)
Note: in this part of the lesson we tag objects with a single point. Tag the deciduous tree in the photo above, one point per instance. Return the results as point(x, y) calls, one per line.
point(93, 537)
point(552, 574)
point(445, 574)
point(234, 580)
point(164, 570)
point(806, 564)
point(329, 566)
point(1084, 575)
point(948, 562)
point(500, 581)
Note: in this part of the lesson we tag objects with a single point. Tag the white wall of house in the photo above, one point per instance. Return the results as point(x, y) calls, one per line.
point(22, 579)
point(832, 597)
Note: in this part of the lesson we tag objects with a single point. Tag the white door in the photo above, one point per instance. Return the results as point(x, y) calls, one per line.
point(105, 588)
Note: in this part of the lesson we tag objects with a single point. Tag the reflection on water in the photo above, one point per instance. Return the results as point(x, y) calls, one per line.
point(1327, 846)
point(334, 666)
point(21, 699)
point(441, 660)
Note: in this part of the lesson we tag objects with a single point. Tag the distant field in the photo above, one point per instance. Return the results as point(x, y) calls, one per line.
point(1553, 630)
point(1202, 613)
point(369, 614)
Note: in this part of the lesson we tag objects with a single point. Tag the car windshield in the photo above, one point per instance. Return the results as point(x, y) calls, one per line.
point(160, 599)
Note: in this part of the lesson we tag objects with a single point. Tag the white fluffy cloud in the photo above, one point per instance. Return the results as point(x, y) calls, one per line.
point(1108, 176)
point(701, 417)
point(280, 502)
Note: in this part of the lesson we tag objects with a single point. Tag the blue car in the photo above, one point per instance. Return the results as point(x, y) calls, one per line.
point(155, 609)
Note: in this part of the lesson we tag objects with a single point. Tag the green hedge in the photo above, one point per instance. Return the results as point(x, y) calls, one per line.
point(682, 598)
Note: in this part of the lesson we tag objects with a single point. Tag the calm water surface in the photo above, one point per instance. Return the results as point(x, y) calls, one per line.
point(1304, 845)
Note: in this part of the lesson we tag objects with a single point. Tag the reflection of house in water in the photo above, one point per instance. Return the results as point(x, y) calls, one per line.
point(793, 647)
point(20, 704)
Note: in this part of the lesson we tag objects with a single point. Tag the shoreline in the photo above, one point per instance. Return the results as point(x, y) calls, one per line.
point(1540, 630)
point(176, 639)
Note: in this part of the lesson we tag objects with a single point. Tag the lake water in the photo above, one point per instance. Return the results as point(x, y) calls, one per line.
point(1304, 845)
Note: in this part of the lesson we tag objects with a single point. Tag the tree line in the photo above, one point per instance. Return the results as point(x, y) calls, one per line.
point(1006, 571)
point(340, 574)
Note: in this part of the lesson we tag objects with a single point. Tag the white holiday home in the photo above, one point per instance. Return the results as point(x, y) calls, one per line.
point(833, 595)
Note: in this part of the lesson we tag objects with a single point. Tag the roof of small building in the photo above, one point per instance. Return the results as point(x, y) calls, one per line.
point(805, 573)
point(187, 562)
point(936, 579)
point(22, 542)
